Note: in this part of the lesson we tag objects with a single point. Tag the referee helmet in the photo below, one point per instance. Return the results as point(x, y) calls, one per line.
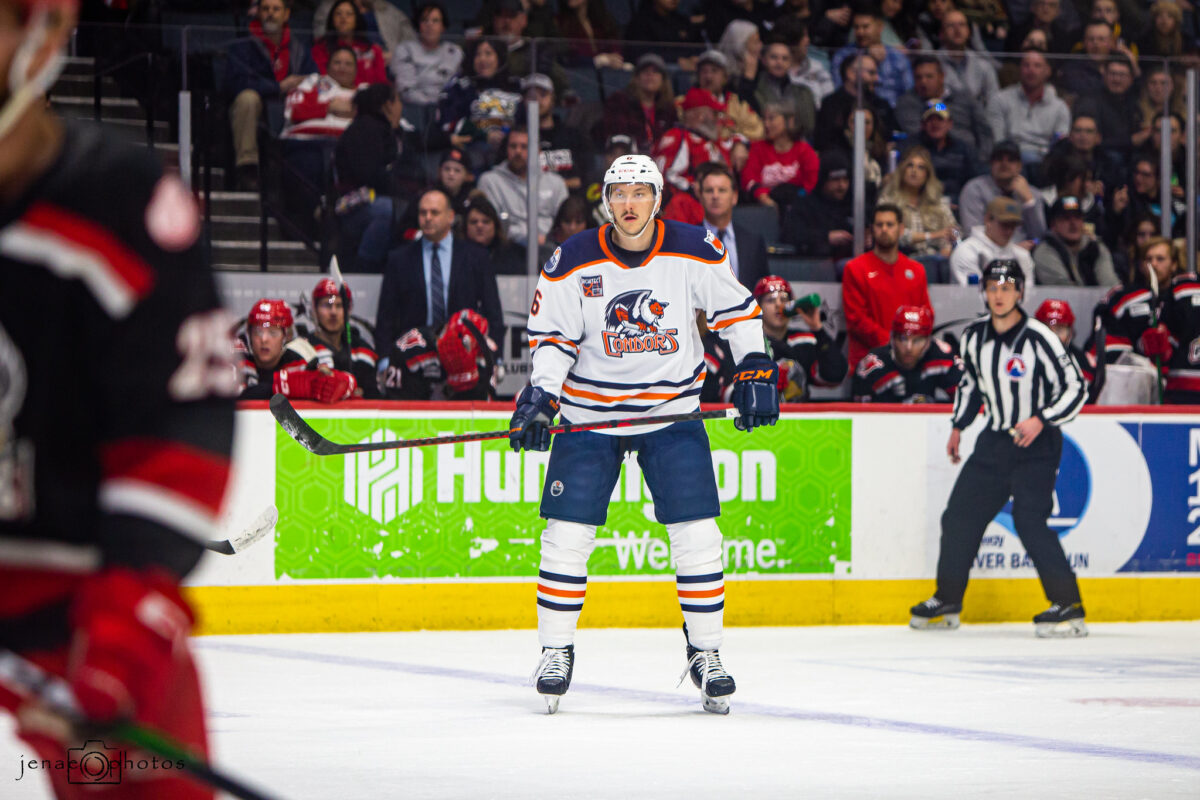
point(1004, 269)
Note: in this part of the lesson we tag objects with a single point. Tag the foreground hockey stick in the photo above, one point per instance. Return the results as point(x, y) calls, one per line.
point(262, 525)
point(57, 708)
point(314, 442)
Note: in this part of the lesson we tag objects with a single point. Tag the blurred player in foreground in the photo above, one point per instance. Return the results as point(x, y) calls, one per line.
point(613, 336)
point(1017, 368)
point(112, 468)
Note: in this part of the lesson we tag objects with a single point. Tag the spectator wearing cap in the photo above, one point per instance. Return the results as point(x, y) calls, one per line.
point(718, 195)
point(690, 144)
point(992, 240)
point(1004, 179)
point(837, 109)
point(1069, 255)
point(929, 86)
point(645, 109)
point(775, 86)
point(565, 150)
point(506, 187)
point(712, 74)
point(895, 74)
point(954, 160)
point(1031, 112)
point(782, 166)
point(820, 224)
point(967, 71)
point(455, 179)
point(423, 66)
point(659, 22)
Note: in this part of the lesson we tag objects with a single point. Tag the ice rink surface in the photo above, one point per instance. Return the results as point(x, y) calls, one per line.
point(822, 712)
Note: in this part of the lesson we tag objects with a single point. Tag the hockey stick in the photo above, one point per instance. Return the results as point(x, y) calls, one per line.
point(55, 699)
point(314, 442)
point(1153, 276)
point(262, 525)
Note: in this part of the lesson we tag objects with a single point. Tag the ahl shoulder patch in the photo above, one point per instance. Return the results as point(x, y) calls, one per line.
point(552, 264)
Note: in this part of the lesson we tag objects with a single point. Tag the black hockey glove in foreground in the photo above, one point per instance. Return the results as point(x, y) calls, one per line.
point(536, 409)
point(756, 392)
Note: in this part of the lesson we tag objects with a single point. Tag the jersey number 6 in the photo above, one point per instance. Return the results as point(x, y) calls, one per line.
point(537, 304)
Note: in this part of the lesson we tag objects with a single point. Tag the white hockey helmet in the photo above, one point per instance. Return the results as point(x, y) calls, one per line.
point(634, 169)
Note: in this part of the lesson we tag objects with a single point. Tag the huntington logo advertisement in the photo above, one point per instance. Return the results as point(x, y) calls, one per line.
point(471, 510)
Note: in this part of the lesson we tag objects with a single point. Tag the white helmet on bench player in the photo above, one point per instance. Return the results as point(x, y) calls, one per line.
point(634, 169)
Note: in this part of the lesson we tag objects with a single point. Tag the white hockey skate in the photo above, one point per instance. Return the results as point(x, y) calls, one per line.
point(710, 677)
point(553, 674)
point(1061, 622)
point(934, 615)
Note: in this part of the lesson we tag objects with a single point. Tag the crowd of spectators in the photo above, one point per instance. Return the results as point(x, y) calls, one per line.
point(1021, 130)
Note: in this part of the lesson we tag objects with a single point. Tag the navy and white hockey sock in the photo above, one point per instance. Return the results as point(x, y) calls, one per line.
point(562, 580)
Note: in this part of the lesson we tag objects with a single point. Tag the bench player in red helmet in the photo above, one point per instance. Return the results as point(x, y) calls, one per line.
point(913, 367)
point(113, 470)
point(1057, 316)
point(804, 356)
point(338, 343)
point(270, 366)
point(454, 362)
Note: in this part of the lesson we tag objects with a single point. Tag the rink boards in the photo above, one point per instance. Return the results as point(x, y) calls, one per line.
point(832, 516)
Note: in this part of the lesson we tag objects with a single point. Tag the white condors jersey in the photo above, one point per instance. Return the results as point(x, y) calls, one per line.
point(611, 342)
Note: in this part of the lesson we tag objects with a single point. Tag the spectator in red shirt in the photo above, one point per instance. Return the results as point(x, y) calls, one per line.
point(875, 284)
point(691, 143)
point(782, 165)
point(346, 26)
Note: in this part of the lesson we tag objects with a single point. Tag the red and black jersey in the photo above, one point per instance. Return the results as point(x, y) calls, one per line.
point(1182, 317)
point(359, 359)
point(933, 379)
point(257, 383)
point(1126, 312)
point(120, 457)
point(804, 358)
point(718, 370)
point(415, 372)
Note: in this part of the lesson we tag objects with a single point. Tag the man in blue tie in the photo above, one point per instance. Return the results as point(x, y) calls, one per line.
point(436, 273)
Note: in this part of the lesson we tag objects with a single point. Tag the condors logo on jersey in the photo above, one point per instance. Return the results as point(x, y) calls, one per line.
point(631, 321)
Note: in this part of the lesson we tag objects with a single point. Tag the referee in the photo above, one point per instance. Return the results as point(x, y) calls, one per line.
point(1017, 368)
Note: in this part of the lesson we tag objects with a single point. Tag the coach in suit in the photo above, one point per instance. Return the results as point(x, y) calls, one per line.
point(426, 281)
point(718, 196)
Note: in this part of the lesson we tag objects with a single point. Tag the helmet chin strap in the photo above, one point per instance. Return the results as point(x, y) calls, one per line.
point(25, 88)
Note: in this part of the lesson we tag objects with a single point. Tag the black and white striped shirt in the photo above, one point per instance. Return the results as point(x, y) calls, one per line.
point(1020, 373)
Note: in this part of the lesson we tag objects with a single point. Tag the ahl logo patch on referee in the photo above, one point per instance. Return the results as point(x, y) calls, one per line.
point(1015, 368)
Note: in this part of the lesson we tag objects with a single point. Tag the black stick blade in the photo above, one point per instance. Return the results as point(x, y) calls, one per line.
point(300, 430)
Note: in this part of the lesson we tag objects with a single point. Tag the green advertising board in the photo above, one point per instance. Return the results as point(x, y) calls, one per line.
point(471, 510)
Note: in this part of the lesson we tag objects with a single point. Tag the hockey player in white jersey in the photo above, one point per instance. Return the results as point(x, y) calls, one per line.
point(613, 335)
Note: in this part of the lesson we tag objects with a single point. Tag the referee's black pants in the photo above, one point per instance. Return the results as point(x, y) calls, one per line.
point(997, 470)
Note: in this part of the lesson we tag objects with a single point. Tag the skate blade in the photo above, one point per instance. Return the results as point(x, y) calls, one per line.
point(715, 705)
point(946, 622)
point(1071, 629)
point(551, 702)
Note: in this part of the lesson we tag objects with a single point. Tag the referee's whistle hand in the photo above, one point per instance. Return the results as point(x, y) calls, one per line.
point(952, 445)
point(1025, 431)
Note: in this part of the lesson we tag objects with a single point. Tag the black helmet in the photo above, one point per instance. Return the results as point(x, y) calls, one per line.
point(1004, 269)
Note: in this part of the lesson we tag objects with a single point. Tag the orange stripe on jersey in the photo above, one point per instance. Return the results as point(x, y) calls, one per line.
point(659, 235)
point(535, 342)
point(559, 592)
point(636, 396)
point(702, 593)
point(757, 312)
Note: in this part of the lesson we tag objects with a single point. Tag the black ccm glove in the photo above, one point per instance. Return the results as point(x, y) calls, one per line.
point(529, 428)
point(756, 392)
